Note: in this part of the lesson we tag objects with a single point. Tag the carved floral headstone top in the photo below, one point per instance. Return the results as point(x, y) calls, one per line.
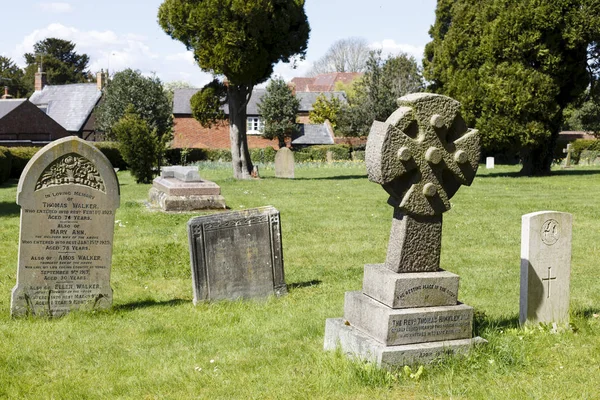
point(421, 155)
point(68, 195)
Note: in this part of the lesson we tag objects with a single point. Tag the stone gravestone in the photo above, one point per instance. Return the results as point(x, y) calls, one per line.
point(568, 152)
point(407, 311)
point(237, 255)
point(545, 267)
point(284, 163)
point(489, 163)
point(180, 188)
point(68, 195)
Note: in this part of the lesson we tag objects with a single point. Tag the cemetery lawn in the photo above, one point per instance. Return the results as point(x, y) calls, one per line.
point(154, 344)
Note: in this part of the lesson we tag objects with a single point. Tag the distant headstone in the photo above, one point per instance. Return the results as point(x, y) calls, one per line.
point(568, 150)
point(68, 195)
point(236, 255)
point(329, 156)
point(180, 188)
point(489, 163)
point(545, 267)
point(284, 163)
point(407, 311)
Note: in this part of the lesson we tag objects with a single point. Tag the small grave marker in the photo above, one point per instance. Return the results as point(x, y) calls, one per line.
point(545, 267)
point(68, 195)
point(489, 162)
point(568, 150)
point(284, 163)
point(236, 255)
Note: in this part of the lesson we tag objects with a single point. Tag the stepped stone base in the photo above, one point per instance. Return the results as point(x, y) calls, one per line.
point(354, 342)
point(166, 202)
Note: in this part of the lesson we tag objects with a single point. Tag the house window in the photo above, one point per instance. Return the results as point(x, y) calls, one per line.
point(254, 126)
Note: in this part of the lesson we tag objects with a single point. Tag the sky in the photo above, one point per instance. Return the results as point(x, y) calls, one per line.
point(125, 34)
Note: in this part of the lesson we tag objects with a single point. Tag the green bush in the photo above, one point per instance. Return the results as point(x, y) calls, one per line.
point(358, 155)
point(218, 155)
point(319, 153)
point(263, 156)
point(5, 164)
point(582, 144)
point(20, 158)
point(112, 151)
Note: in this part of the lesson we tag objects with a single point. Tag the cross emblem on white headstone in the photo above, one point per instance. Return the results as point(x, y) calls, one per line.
point(568, 152)
point(548, 279)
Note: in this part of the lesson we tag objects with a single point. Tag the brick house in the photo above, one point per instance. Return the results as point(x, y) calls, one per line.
point(22, 123)
point(71, 105)
point(188, 133)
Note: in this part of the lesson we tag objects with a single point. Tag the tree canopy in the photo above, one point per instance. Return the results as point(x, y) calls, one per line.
point(375, 94)
point(11, 76)
point(514, 66)
point(344, 55)
point(61, 63)
point(146, 94)
point(278, 108)
point(241, 40)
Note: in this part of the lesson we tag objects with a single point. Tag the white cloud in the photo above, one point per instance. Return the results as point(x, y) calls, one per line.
point(389, 46)
point(287, 70)
point(186, 56)
point(58, 8)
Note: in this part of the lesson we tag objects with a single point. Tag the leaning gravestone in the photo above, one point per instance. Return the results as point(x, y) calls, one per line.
point(68, 195)
point(180, 188)
point(284, 163)
point(545, 267)
point(407, 311)
point(236, 255)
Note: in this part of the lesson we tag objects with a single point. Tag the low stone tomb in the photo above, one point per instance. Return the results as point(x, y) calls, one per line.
point(545, 267)
point(236, 255)
point(407, 311)
point(180, 188)
point(68, 194)
point(284, 163)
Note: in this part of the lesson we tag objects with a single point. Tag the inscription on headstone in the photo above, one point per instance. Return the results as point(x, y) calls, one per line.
point(545, 267)
point(68, 195)
point(236, 255)
point(284, 163)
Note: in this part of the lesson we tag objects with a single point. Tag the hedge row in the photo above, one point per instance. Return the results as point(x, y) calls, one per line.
point(5, 164)
point(319, 153)
point(583, 144)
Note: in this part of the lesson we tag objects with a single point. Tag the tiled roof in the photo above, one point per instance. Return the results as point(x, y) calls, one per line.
point(69, 105)
point(181, 101)
point(313, 134)
point(7, 105)
point(324, 82)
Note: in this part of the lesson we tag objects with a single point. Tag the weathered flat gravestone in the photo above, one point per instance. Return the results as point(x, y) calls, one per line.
point(489, 163)
point(407, 311)
point(237, 255)
point(284, 163)
point(180, 188)
point(68, 195)
point(545, 267)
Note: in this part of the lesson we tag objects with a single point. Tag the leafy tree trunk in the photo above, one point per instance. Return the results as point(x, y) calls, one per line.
point(240, 156)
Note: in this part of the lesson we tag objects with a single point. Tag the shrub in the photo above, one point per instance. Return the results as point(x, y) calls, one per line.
point(358, 155)
point(112, 151)
point(5, 164)
point(319, 153)
point(583, 144)
point(263, 156)
point(141, 148)
point(20, 158)
point(218, 154)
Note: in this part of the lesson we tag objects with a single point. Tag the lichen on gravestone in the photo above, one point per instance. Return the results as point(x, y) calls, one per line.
point(421, 155)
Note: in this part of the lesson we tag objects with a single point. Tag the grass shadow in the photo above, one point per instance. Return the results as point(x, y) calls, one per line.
point(9, 209)
point(300, 285)
point(149, 303)
point(586, 313)
point(9, 183)
point(561, 172)
point(482, 323)
point(332, 178)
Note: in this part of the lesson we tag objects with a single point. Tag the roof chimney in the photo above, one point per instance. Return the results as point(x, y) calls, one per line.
point(101, 79)
point(6, 95)
point(40, 80)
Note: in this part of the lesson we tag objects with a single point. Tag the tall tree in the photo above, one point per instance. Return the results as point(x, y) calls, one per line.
point(278, 107)
point(242, 40)
point(325, 108)
point(514, 66)
point(375, 94)
point(59, 60)
point(11, 76)
point(344, 55)
point(146, 94)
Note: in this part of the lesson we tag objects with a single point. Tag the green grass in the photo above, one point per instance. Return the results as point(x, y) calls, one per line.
point(154, 344)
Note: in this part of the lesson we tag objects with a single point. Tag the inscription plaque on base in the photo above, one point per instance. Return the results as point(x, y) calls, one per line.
point(236, 255)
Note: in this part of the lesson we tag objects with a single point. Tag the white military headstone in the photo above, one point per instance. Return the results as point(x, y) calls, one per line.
point(68, 195)
point(489, 162)
point(545, 267)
